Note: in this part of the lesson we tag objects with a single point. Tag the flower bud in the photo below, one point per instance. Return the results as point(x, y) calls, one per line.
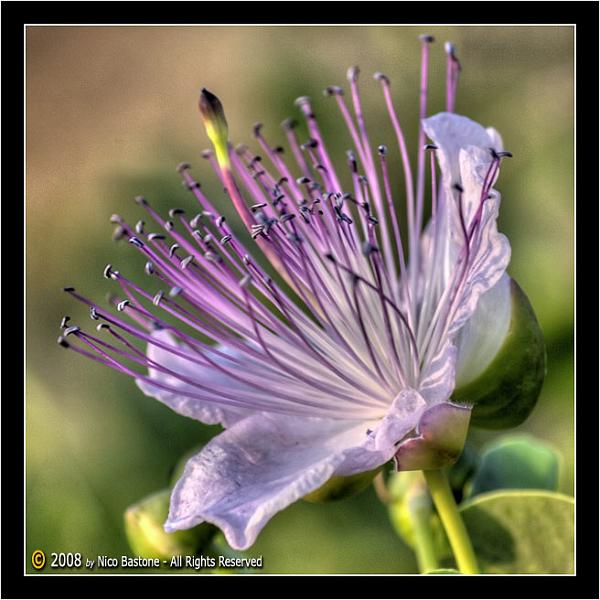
point(338, 488)
point(215, 123)
point(501, 358)
point(147, 537)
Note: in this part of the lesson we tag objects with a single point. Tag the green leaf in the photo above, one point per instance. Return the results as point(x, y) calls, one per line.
point(521, 531)
point(516, 462)
point(442, 572)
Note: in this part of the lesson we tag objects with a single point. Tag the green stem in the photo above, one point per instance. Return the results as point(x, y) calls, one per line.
point(419, 509)
point(440, 491)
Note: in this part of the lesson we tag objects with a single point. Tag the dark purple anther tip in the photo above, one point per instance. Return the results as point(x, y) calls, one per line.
point(352, 74)
point(333, 90)
point(64, 321)
point(62, 342)
point(289, 123)
point(256, 129)
point(427, 38)
point(140, 200)
point(382, 150)
point(181, 167)
point(379, 76)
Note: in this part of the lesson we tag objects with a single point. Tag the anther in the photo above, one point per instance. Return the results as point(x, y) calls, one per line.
point(158, 297)
point(256, 129)
point(450, 49)
point(287, 217)
point(68, 289)
point(329, 256)
point(149, 268)
point(302, 180)
point(382, 150)
point(379, 76)
point(122, 305)
point(175, 291)
point(459, 188)
point(118, 233)
point(181, 167)
point(224, 239)
point(500, 154)
point(245, 281)
point(206, 154)
point(102, 326)
point(368, 248)
point(116, 219)
point(430, 147)
point(93, 313)
point(69, 330)
point(311, 143)
point(352, 74)
point(174, 212)
point(136, 242)
point(172, 250)
point(139, 227)
point(256, 207)
point(208, 238)
point(107, 272)
point(246, 259)
point(186, 261)
point(220, 221)
point(155, 236)
point(333, 90)
point(279, 150)
point(62, 342)
point(301, 101)
point(169, 225)
point(428, 39)
point(64, 321)
point(195, 221)
point(289, 124)
point(140, 200)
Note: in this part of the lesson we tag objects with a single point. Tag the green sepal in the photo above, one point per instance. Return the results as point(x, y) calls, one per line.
point(504, 395)
point(438, 441)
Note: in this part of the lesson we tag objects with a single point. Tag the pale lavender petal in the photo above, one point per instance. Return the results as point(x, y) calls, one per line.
point(256, 468)
point(263, 463)
point(438, 376)
point(450, 133)
point(207, 412)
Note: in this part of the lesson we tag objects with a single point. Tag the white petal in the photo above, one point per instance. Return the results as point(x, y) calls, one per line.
point(450, 133)
point(483, 334)
point(263, 463)
point(206, 412)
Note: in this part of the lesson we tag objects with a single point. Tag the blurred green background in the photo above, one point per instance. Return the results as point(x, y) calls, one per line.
point(112, 110)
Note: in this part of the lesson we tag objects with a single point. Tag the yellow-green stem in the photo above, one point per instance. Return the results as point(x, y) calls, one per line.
point(440, 491)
